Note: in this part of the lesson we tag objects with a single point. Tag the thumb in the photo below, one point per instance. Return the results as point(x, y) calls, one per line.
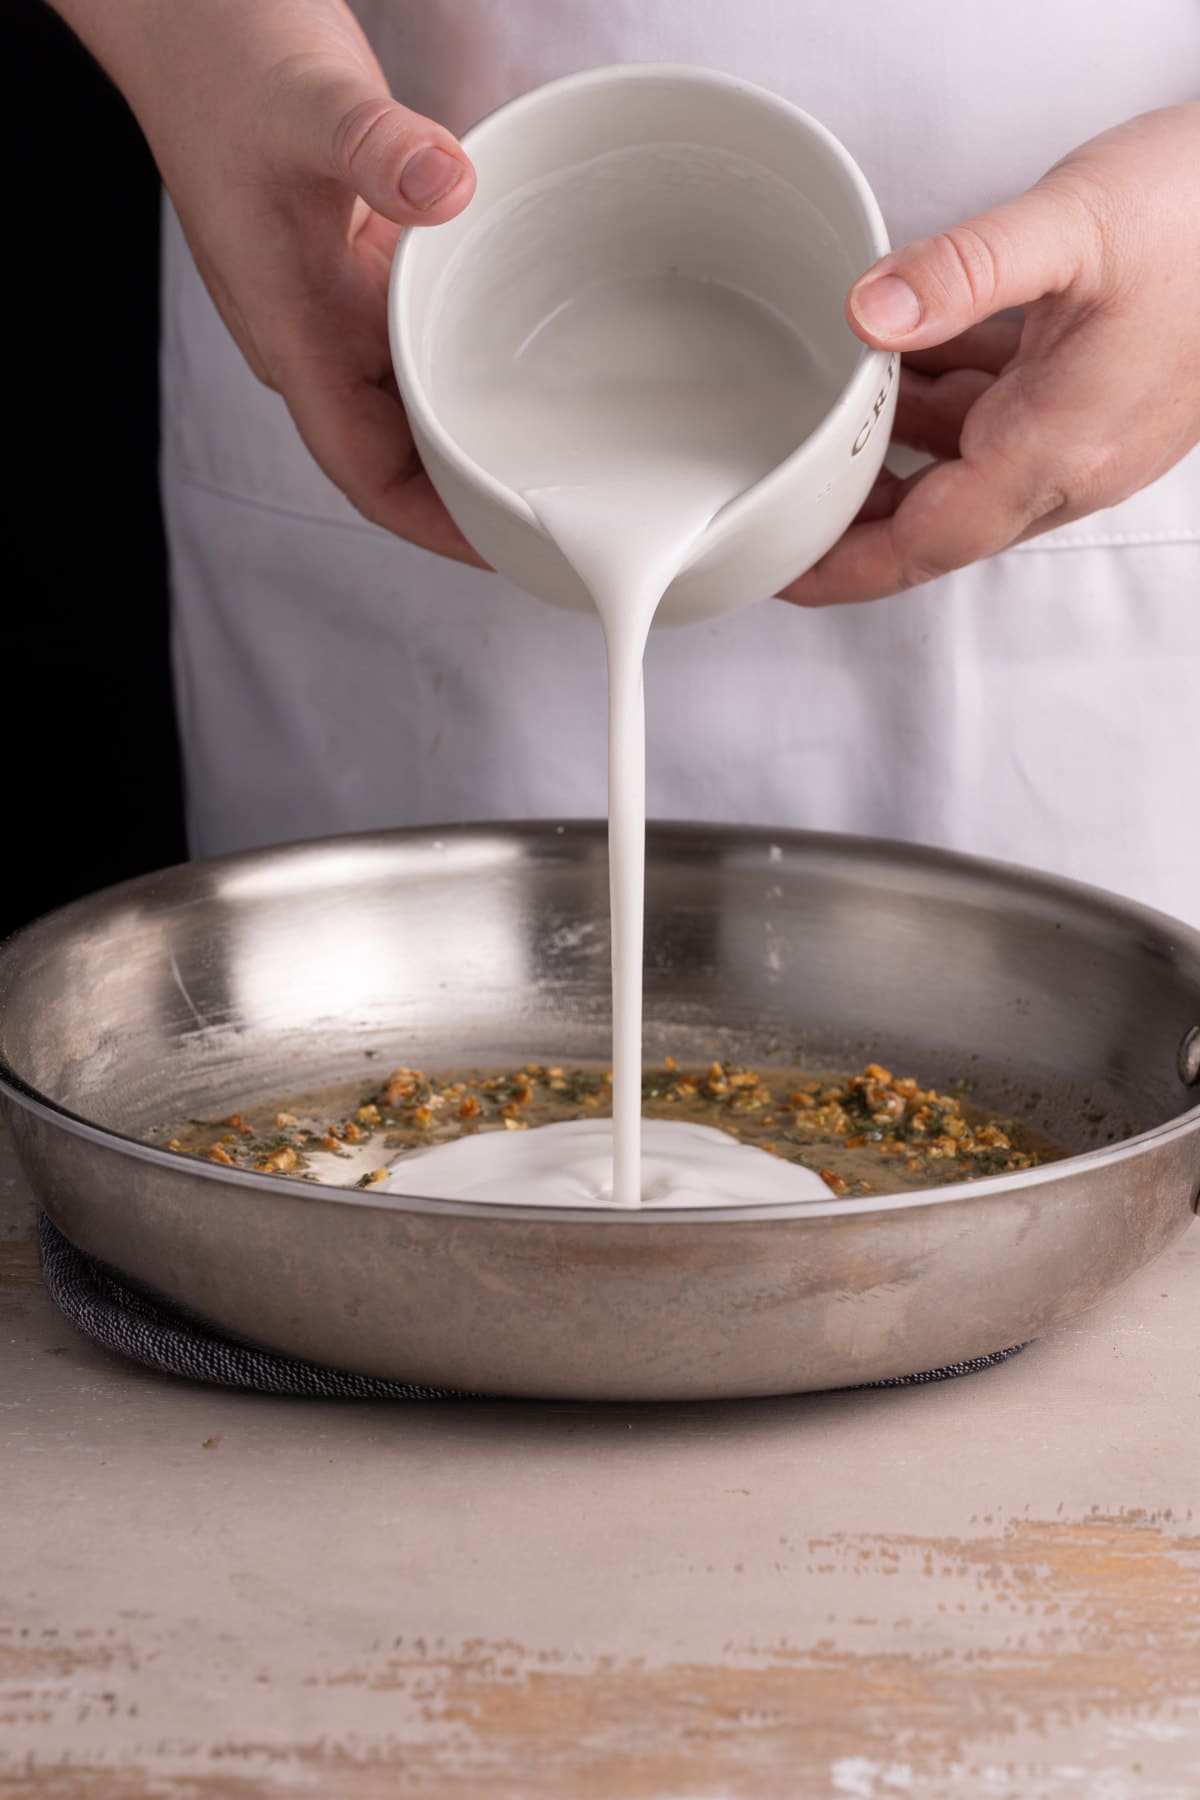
point(934, 289)
point(343, 124)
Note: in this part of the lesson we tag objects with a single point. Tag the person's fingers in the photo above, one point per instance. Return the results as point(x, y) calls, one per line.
point(948, 515)
point(357, 432)
point(339, 122)
point(990, 346)
point(374, 240)
point(931, 409)
point(1040, 243)
point(883, 498)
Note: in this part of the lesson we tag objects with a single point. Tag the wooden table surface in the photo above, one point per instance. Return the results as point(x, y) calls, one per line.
point(989, 1587)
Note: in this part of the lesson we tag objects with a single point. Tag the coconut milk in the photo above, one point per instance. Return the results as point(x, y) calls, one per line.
point(627, 418)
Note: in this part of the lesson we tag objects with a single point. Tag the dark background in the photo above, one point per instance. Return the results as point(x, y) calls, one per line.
point(94, 788)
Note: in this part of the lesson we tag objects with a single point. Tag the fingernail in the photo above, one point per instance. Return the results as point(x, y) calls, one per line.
point(886, 307)
point(428, 176)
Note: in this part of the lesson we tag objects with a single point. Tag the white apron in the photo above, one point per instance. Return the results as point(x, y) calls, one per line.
point(1043, 706)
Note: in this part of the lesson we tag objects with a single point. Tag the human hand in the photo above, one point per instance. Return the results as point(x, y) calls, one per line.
point(293, 171)
point(1037, 421)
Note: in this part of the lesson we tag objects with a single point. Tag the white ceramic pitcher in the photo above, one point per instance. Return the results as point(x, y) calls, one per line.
point(668, 170)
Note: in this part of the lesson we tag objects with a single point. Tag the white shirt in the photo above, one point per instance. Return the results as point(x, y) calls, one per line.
point(1041, 707)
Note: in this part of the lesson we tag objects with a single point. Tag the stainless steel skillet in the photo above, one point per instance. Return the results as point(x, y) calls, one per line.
point(274, 971)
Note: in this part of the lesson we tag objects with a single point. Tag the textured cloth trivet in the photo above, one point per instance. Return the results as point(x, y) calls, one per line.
point(124, 1318)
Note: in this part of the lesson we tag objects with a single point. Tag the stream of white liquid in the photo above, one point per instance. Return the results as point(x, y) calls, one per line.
point(628, 419)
